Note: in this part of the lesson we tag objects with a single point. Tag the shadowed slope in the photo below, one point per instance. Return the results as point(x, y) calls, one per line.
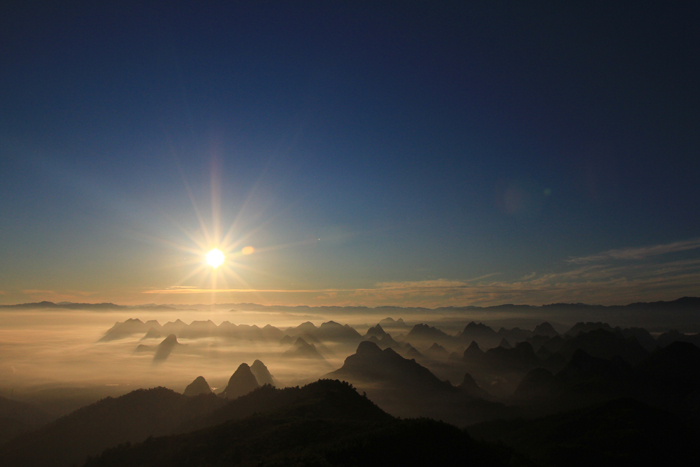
point(241, 382)
point(323, 423)
point(303, 350)
point(18, 417)
point(165, 348)
point(370, 364)
point(197, 387)
point(88, 431)
point(262, 374)
point(405, 388)
point(618, 432)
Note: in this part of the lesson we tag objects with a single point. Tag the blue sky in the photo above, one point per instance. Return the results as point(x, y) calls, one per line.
point(370, 152)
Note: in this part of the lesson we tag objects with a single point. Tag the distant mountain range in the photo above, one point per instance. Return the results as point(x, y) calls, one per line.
point(681, 313)
point(88, 306)
point(680, 303)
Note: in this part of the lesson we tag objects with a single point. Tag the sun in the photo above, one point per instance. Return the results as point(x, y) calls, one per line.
point(215, 258)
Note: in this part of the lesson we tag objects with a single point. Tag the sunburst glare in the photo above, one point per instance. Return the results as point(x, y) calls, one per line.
point(215, 258)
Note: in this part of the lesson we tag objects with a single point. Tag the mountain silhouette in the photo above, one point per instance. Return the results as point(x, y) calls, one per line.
point(469, 387)
point(198, 329)
point(302, 349)
point(583, 381)
point(370, 364)
point(585, 366)
point(328, 399)
point(473, 353)
point(405, 388)
point(17, 417)
point(437, 352)
point(310, 338)
point(645, 339)
point(423, 334)
point(505, 344)
point(307, 326)
point(376, 331)
point(672, 375)
point(547, 345)
point(614, 433)
point(165, 348)
point(194, 330)
point(334, 332)
point(678, 362)
point(537, 384)
point(667, 379)
point(109, 422)
point(328, 332)
point(323, 423)
point(125, 329)
point(545, 329)
point(197, 387)
point(475, 330)
point(152, 333)
point(605, 344)
point(669, 337)
point(521, 357)
point(241, 383)
point(588, 327)
point(512, 335)
point(391, 323)
point(262, 374)
point(411, 352)
point(481, 333)
point(287, 340)
point(176, 327)
point(388, 341)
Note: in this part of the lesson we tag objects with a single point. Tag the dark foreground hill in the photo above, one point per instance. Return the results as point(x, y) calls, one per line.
point(17, 417)
point(615, 433)
point(109, 422)
point(323, 424)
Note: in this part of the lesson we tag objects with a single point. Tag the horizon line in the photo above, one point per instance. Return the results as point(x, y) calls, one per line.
point(153, 305)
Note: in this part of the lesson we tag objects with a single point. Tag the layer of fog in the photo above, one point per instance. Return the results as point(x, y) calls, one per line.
point(54, 355)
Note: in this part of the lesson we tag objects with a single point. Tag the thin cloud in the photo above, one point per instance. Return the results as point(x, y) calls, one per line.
point(199, 290)
point(617, 283)
point(638, 253)
point(427, 284)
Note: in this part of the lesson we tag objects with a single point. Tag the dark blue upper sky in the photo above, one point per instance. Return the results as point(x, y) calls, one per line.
point(553, 147)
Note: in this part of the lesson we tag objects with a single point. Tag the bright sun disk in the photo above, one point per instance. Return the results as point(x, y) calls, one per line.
point(215, 258)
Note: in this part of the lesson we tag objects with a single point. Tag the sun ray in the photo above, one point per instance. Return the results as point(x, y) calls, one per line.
point(244, 282)
point(195, 207)
point(189, 234)
point(196, 271)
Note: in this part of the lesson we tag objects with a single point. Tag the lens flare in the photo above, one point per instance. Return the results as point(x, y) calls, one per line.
point(215, 258)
